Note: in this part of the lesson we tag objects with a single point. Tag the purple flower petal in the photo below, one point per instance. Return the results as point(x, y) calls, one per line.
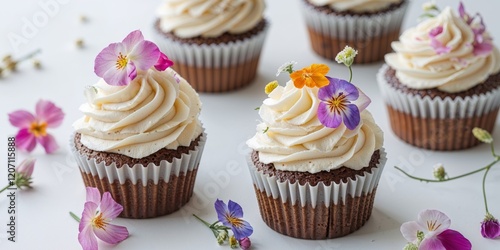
point(362, 102)
point(235, 209)
point(89, 211)
point(327, 118)
point(48, 112)
point(351, 116)
point(245, 243)
point(221, 209)
point(436, 31)
point(452, 239)
point(87, 238)
point(25, 140)
point(26, 167)
point(21, 119)
point(132, 39)
point(163, 62)
point(432, 244)
point(482, 49)
point(106, 59)
point(144, 55)
point(109, 207)
point(437, 218)
point(120, 77)
point(242, 230)
point(409, 230)
point(111, 234)
point(348, 90)
point(93, 195)
point(461, 10)
point(325, 93)
point(490, 228)
point(48, 142)
point(438, 47)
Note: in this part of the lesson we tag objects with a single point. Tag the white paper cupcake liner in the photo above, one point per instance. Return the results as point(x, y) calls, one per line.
point(213, 55)
point(353, 27)
point(440, 108)
point(187, 162)
point(321, 193)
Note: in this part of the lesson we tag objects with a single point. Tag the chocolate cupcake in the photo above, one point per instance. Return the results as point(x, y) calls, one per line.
point(140, 137)
point(370, 26)
point(442, 81)
point(216, 44)
point(316, 158)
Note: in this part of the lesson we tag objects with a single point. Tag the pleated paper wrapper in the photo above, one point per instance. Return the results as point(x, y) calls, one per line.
point(215, 67)
point(327, 210)
point(370, 34)
point(144, 191)
point(438, 124)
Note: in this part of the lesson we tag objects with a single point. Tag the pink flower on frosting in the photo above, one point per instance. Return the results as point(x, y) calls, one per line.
point(33, 128)
point(482, 41)
point(118, 63)
point(437, 45)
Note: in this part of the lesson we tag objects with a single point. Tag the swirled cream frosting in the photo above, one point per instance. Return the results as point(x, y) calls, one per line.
point(156, 110)
point(418, 65)
point(292, 138)
point(209, 18)
point(356, 6)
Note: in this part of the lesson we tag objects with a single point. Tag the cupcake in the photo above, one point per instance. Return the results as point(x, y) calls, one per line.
point(316, 157)
point(442, 81)
point(368, 25)
point(216, 45)
point(140, 137)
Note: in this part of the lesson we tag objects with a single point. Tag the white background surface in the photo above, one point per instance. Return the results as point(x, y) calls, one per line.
point(43, 220)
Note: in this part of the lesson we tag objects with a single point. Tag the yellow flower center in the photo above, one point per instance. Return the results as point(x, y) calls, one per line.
point(99, 222)
point(122, 61)
point(432, 225)
point(234, 221)
point(38, 128)
point(336, 104)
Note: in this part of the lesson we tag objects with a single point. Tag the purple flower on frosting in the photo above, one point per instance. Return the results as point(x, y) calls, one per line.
point(230, 216)
point(437, 45)
point(341, 102)
point(430, 231)
point(482, 41)
point(118, 63)
point(490, 228)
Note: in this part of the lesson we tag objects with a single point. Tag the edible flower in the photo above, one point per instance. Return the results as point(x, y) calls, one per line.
point(119, 63)
point(431, 231)
point(341, 101)
point(311, 76)
point(22, 174)
point(482, 44)
point(33, 127)
point(286, 67)
point(438, 46)
point(230, 218)
point(490, 227)
point(271, 86)
point(97, 223)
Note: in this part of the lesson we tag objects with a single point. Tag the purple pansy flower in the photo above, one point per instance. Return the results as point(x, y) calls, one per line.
point(482, 41)
point(438, 46)
point(33, 127)
point(341, 102)
point(97, 223)
point(490, 228)
point(230, 215)
point(430, 231)
point(118, 63)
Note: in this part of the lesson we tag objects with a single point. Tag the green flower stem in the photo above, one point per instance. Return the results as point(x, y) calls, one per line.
point(8, 186)
point(74, 216)
point(350, 73)
point(484, 190)
point(203, 221)
point(28, 56)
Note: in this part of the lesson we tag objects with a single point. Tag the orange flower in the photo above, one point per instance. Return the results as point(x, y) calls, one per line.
point(312, 76)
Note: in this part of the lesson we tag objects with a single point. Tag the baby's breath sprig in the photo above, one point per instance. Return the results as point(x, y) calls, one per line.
point(10, 64)
point(430, 10)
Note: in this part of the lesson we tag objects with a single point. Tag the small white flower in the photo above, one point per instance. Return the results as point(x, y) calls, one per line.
point(286, 67)
point(346, 56)
point(429, 6)
point(439, 172)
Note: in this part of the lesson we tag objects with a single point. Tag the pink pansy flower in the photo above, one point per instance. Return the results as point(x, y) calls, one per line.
point(118, 63)
point(438, 46)
point(430, 232)
point(97, 223)
point(33, 128)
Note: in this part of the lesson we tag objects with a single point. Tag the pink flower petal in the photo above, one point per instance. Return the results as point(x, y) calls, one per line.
point(48, 112)
point(106, 59)
point(144, 55)
point(26, 167)
point(363, 101)
point(119, 77)
point(110, 209)
point(432, 244)
point(482, 49)
point(25, 140)
point(132, 39)
point(437, 218)
point(111, 234)
point(490, 228)
point(438, 47)
point(163, 62)
point(88, 213)
point(21, 119)
point(87, 238)
point(409, 230)
point(452, 239)
point(93, 195)
point(49, 143)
